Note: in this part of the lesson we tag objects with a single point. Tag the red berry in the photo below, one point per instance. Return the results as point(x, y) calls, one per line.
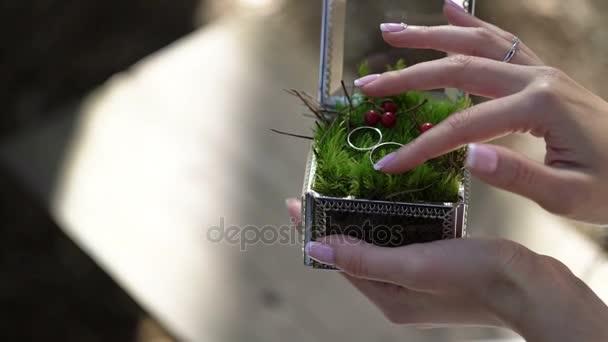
point(389, 120)
point(390, 107)
point(427, 126)
point(372, 118)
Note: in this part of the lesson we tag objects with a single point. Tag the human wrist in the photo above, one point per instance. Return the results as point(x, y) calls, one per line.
point(509, 291)
point(519, 294)
point(549, 303)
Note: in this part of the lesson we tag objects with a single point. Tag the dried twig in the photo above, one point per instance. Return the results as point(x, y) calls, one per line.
point(310, 98)
point(413, 109)
point(292, 135)
point(373, 104)
point(397, 194)
point(310, 103)
point(350, 103)
point(306, 103)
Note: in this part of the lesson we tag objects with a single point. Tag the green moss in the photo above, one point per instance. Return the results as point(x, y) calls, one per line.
point(343, 172)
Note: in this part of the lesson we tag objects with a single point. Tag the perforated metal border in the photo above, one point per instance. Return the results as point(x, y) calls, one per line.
point(315, 208)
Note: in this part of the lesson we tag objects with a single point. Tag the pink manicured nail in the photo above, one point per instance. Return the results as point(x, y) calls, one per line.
point(293, 208)
point(391, 27)
point(290, 202)
point(363, 81)
point(455, 4)
point(321, 253)
point(482, 159)
point(385, 161)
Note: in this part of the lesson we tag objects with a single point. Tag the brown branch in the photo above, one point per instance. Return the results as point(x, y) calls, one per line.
point(350, 102)
point(397, 194)
point(310, 98)
point(413, 109)
point(292, 135)
point(373, 104)
point(307, 103)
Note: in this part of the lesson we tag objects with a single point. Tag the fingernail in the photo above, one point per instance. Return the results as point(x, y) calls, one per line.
point(455, 4)
point(293, 209)
point(363, 81)
point(482, 159)
point(384, 161)
point(290, 201)
point(392, 27)
point(321, 253)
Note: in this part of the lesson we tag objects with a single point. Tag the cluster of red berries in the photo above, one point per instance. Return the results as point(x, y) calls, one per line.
point(389, 117)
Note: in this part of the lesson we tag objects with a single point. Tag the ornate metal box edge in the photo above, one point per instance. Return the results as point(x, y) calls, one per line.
point(316, 206)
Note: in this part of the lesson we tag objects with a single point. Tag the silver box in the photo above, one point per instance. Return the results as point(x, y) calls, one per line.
point(383, 223)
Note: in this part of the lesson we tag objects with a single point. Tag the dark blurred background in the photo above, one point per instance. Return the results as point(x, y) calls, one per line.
point(55, 52)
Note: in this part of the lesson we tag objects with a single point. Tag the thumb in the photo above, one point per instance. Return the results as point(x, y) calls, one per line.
point(556, 190)
point(435, 266)
point(294, 208)
point(357, 258)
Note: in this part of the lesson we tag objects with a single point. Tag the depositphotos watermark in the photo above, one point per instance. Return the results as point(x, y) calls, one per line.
point(251, 235)
point(288, 234)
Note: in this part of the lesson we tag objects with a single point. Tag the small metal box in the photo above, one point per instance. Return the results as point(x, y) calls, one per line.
point(350, 34)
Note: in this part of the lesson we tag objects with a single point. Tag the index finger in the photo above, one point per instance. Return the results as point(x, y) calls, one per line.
point(475, 75)
point(480, 123)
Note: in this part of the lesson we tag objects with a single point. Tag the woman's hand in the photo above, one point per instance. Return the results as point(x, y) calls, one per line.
point(527, 97)
point(468, 282)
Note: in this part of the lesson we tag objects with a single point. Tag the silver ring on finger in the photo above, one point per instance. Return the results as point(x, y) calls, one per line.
point(513, 50)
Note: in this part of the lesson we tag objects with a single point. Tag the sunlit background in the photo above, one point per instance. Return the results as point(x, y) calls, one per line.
point(140, 125)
